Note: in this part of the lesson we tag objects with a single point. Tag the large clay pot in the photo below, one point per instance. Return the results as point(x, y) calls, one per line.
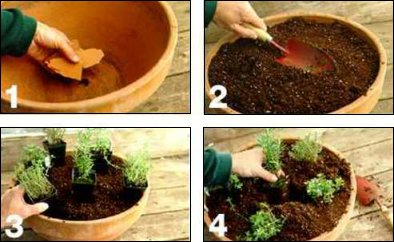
point(138, 40)
point(344, 220)
point(363, 104)
point(105, 229)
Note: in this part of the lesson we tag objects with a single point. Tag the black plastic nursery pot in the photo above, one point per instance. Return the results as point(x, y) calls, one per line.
point(57, 152)
point(83, 191)
point(130, 188)
point(101, 160)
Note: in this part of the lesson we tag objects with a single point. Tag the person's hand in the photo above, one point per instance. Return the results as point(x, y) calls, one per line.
point(233, 14)
point(47, 41)
point(249, 164)
point(12, 202)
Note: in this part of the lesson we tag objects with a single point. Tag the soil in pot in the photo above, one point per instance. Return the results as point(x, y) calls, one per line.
point(57, 152)
point(107, 194)
point(305, 218)
point(257, 84)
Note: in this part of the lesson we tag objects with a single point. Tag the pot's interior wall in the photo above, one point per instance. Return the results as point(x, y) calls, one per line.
point(133, 36)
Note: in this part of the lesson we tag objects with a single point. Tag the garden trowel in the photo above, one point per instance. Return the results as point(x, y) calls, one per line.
point(298, 54)
point(367, 193)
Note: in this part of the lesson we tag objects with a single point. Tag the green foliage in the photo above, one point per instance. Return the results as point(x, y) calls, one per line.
point(54, 135)
point(272, 147)
point(306, 149)
point(35, 183)
point(83, 161)
point(34, 154)
point(136, 168)
point(264, 225)
point(229, 200)
point(235, 183)
point(101, 140)
point(322, 188)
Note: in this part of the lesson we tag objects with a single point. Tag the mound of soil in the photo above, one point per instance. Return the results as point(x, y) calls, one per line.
point(108, 194)
point(305, 218)
point(257, 84)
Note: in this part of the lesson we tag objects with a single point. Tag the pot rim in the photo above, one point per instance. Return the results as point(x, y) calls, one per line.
point(338, 229)
point(371, 37)
point(101, 220)
point(122, 92)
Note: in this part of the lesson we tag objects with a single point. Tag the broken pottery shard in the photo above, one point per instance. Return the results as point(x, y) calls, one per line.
point(63, 67)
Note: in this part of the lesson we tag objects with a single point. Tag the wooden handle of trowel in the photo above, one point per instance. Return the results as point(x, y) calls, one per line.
point(261, 34)
point(385, 212)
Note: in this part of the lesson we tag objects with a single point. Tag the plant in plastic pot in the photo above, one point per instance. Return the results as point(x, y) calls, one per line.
point(34, 155)
point(135, 172)
point(55, 145)
point(101, 149)
point(83, 175)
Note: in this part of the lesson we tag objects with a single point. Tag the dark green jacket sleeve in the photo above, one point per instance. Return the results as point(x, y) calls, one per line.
point(217, 167)
point(17, 32)
point(209, 12)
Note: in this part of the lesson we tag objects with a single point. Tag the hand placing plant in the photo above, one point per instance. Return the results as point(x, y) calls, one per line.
point(272, 147)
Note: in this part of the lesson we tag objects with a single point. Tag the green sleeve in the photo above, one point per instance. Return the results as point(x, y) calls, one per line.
point(17, 32)
point(210, 9)
point(217, 167)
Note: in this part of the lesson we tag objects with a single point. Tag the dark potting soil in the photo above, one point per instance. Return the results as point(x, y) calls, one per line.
point(257, 84)
point(305, 218)
point(108, 194)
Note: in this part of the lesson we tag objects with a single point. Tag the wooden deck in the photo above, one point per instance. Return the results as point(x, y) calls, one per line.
point(167, 216)
point(370, 150)
point(377, 16)
point(174, 94)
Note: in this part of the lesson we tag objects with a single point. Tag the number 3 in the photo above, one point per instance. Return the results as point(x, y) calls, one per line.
point(16, 222)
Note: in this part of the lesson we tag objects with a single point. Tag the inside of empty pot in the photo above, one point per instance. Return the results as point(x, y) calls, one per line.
point(133, 36)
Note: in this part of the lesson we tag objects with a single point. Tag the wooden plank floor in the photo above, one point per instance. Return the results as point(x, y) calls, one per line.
point(370, 150)
point(377, 16)
point(174, 94)
point(167, 216)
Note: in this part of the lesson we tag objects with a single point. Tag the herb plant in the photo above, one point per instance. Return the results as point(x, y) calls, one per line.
point(306, 149)
point(272, 147)
point(235, 183)
point(322, 188)
point(102, 141)
point(34, 156)
point(54, 135)
point(136, 168)
point(264, 225)
point(83, 162)
point(35, 183)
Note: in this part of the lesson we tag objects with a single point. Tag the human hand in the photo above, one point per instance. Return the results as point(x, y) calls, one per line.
point(12, 202)
point(48, 41)
point(233, 14)
point(249, 164)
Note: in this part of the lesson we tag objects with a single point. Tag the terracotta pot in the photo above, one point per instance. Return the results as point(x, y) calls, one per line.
point(344, 220)
point(363, 104)
point(104, 229)
point(138, 39)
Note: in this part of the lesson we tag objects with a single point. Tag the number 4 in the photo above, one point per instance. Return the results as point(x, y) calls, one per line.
point(220, 228)
point(13, 92)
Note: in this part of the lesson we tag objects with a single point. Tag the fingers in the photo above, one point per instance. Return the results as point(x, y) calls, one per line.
point(68, 51)
point(268, 176)
point(36, 208)
point(244, 32)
